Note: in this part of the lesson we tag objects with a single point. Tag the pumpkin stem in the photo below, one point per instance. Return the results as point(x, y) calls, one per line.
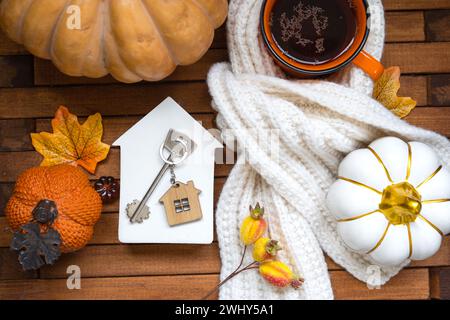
point(45, 212)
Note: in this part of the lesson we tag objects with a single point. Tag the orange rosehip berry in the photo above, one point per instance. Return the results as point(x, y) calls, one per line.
point(254, 226)
point(265, 249)
point(279, 274)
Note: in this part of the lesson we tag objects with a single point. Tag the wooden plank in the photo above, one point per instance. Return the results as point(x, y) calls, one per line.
point(17, 162)
point(437, 25)
point(8, 47)
point(395, 26)
point(45, 73)
point(138, 260)
point(220, 37)
point(106, 234)
point(159, 259)
point(126, 288)
point(15, 134)
point(16, 71)
point(409, 284)
point(10, 267)
point(440, 283)
point(5, 194)
point(439, 90)
point(415, 4)
point(5, 233)
point(42, 102)
point(415, 87)
point(432, 118)
point(418, 57)
point(120, 100)
point(113, 128)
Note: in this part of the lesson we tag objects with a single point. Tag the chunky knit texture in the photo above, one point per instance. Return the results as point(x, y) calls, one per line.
point(318, 123)
point(79, 206)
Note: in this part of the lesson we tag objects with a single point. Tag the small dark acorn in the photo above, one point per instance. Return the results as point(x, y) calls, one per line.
point(108, 188)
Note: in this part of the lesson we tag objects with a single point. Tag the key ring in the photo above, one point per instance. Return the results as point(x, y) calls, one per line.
point(169, 159)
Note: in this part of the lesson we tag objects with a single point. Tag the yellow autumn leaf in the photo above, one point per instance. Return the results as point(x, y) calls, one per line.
point(72, 143)
point(386, 89)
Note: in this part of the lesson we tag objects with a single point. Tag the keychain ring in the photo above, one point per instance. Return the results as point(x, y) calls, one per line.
point(168, 160)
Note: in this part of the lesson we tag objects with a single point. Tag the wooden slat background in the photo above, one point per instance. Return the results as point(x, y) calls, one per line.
point(417, 40)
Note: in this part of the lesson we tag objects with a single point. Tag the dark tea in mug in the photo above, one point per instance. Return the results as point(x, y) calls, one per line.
point(313, 32)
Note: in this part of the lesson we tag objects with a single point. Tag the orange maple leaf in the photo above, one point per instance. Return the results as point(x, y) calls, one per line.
point(386, 89)
point(72, 143)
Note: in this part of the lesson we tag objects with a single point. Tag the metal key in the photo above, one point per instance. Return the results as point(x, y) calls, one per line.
point(179, 147)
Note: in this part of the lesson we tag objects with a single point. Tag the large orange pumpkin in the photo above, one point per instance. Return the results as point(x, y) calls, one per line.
point(79, 206)
point(130, 39)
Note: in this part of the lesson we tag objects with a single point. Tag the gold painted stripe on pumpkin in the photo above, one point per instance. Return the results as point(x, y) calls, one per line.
point(408, 167)
point(410, 240)
point(429, 178)
point(360, 184)
point(431, 224)
point(381, 239)
point(358, 217)
point(382, 163)
point(435, 201)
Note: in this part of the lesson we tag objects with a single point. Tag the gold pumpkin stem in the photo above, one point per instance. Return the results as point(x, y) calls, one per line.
point(382, 164)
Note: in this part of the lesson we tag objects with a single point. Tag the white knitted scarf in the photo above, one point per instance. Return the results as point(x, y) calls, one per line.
point(318, 123)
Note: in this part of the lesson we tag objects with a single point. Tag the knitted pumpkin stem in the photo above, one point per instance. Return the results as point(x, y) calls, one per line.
point(45, 212)
point(36, 242)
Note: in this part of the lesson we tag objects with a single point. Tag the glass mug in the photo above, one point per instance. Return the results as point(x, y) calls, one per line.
point(341, 23)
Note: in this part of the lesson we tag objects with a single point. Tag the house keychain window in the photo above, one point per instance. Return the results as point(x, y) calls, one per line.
point(182, 203)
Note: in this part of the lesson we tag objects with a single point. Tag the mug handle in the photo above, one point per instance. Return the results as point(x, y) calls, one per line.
point(369, 65)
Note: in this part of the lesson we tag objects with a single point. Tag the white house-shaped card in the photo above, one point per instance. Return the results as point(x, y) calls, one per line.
point(140, 163)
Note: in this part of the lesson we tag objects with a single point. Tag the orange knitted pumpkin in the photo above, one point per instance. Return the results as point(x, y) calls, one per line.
point(79, 206)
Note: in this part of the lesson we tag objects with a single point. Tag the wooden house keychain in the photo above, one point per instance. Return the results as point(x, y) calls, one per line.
point(181, 201)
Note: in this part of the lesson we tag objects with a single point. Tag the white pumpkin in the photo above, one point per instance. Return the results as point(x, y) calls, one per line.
point(392, 201)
